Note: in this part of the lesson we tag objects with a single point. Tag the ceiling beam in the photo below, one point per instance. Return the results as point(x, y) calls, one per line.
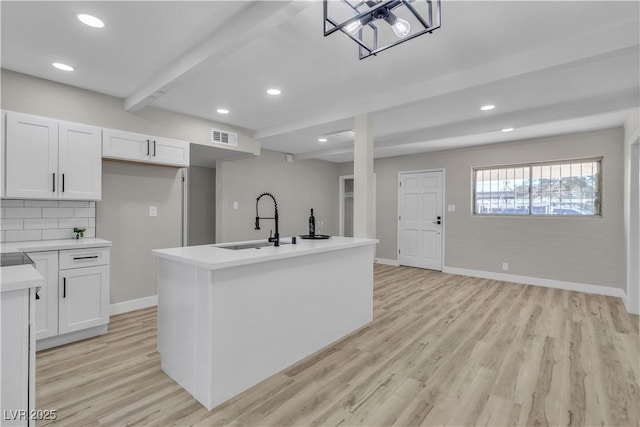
point(258, 17)
point(618, 39)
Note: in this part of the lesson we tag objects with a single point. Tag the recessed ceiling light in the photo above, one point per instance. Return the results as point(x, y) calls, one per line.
point(274, 91)
point(63, 67)
point(90, 20)
point(322, 139)
point(222, 111)
point(487, 107)
point(507, 129)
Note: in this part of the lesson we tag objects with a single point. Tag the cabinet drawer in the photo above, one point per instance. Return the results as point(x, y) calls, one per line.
point(76, 258)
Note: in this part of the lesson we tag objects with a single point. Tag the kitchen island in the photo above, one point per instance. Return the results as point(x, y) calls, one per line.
point(230, 318)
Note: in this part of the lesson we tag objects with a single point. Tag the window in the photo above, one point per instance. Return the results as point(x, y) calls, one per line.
point(555, 188)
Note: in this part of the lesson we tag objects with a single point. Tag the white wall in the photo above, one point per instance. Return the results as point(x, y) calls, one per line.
point(632, 208)
point(201, 187)
point(579, 250)
point(128, 190)
point(41, 97)
point(298, 187)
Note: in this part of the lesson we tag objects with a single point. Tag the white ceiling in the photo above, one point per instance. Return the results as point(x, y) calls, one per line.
point(550, 67)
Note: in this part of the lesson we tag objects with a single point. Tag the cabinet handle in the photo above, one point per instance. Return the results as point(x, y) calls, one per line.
point(64, 287)
point(54, 182)
point(154, 148)
point(85, 257)
point(148, 142)
point(63, 183)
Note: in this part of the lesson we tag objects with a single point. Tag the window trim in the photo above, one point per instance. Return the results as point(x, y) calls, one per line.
point(530, 165)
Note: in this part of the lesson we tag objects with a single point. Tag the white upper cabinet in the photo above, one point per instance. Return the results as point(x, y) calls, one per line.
point(31, 157)
point(80, 162)
point(143, 148)
point(47, 159)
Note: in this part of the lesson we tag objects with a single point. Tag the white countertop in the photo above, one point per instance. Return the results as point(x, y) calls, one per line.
point(53, 245)
point(213, 257)
point(18, 277)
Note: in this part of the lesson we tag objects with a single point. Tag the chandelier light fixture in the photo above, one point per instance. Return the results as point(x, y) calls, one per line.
point(377, 25)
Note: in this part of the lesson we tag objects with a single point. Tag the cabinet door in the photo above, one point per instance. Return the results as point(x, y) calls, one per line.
point(47, 304)
point(169, 152)
point(125, 145)
point(31, 157)
point(16, 359)
point(80, 162)
point(84, 298)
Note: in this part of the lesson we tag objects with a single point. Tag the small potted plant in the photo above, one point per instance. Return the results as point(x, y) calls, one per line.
point(79, 232)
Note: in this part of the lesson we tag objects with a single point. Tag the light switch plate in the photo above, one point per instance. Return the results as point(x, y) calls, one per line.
point(235, 205)
point(451, 208)
point(153, 211)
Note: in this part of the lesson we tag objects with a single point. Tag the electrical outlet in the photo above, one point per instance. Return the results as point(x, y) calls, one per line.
point(235, 205)
point(153, 211)
point(505, 266)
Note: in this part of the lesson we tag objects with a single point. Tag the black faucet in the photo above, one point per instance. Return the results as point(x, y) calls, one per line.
point(275, 239)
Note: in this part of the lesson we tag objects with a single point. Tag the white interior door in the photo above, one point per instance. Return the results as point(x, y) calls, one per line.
point(420, 219)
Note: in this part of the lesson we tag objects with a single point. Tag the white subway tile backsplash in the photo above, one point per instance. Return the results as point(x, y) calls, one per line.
point(45, 219)
point(41, 203)
point(12, 203)
point(73, 222)
point(85, 212)
point(73, 204)
point(57, 233)
point(57, 212)
point(23, 212)
point(40, 223)
point(12, 224)
point(22, 235)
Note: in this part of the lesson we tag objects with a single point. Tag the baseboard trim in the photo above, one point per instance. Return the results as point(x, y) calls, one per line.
point(45, 343)
point(134, 304)
point(538, 281)
point(631, 308)
point(386, 261)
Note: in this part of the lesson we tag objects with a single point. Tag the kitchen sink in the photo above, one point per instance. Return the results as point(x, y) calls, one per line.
point(250, 246)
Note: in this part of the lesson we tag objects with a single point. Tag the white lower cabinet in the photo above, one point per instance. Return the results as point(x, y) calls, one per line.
point(82, 303)
point(47, 296)
point(17, 360)
point(74, 304)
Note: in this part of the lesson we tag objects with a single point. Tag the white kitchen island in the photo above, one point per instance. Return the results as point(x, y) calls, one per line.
point(228, 319)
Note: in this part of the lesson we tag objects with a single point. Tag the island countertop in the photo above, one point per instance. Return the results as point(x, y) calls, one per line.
point(215, 257)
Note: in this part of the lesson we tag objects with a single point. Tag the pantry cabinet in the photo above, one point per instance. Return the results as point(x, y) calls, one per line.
point(143, 148)
point(49, 159)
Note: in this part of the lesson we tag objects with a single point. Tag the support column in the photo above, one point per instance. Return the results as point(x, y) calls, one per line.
point(363, 178)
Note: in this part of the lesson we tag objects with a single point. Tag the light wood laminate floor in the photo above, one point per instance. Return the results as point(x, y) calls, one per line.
point(442, 350)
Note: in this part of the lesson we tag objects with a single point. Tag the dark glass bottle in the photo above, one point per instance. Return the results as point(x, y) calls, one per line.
point(312, 225)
